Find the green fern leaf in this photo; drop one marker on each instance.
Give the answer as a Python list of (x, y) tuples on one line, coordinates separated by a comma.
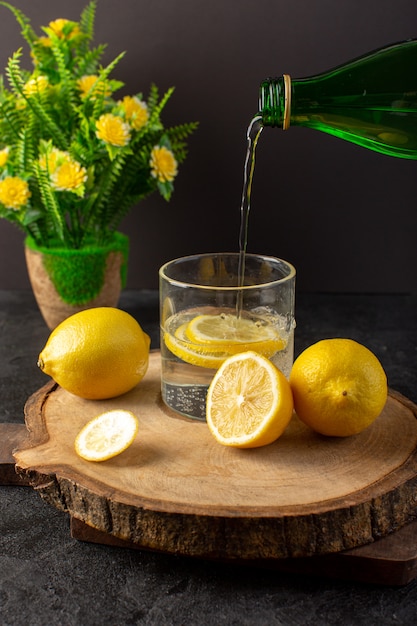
[(26, 152), (27, 32), (181, 132), (97, 215), (49, 201), (14, 74), (67, 97), (87, 20), (157, 109), (88, 63), (11, 122), (17, 82)]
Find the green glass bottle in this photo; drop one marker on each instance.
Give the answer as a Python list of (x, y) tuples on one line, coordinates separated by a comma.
[(370, 101)]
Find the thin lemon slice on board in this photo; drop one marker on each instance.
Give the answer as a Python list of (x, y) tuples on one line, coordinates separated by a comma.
[(234, 334), (106, 435), (195, 354), (249, 402)]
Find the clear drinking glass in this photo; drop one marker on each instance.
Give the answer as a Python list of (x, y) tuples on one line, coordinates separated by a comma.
[(206, 316)]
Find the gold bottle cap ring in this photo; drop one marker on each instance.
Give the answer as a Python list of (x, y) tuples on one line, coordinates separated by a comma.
[(287, 102)]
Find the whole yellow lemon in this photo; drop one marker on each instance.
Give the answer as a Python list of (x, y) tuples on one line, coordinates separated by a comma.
[(339, 387), (97, 353)]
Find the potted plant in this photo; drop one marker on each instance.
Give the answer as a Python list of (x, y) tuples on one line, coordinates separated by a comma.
[(74, 160)]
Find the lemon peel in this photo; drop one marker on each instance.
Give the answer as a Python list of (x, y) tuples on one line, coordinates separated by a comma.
[(339, 387), (96, 354)]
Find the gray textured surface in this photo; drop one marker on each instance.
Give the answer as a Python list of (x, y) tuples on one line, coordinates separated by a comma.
[(48, 579)]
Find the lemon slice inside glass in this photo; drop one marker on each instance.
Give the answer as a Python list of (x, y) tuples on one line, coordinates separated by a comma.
[(249, 402), (106, 435), (202, 355), (234, 334)]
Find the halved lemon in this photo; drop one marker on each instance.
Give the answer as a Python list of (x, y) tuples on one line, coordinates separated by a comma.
[(106, 435), (249, 402)]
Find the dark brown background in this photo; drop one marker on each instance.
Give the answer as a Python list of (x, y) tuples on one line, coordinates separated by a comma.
[(346, 217)]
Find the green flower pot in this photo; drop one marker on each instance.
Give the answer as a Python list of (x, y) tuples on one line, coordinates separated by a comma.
[(65, 281)]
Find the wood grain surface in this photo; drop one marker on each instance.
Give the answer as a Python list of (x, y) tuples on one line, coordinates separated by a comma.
[(177, 490)]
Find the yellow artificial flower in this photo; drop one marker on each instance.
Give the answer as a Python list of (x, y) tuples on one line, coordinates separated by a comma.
[(57, 27), (85, 83), (14, 192), (53, 159), (21, 104), (69, 176), (44, 41), (163, 164), (36, 85), (4, 155), (136, 111), (113, 130)]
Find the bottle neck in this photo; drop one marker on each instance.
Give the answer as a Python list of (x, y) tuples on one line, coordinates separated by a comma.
[(275, 101)]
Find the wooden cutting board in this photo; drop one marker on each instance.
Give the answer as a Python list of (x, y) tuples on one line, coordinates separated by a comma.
[(178, 491)]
